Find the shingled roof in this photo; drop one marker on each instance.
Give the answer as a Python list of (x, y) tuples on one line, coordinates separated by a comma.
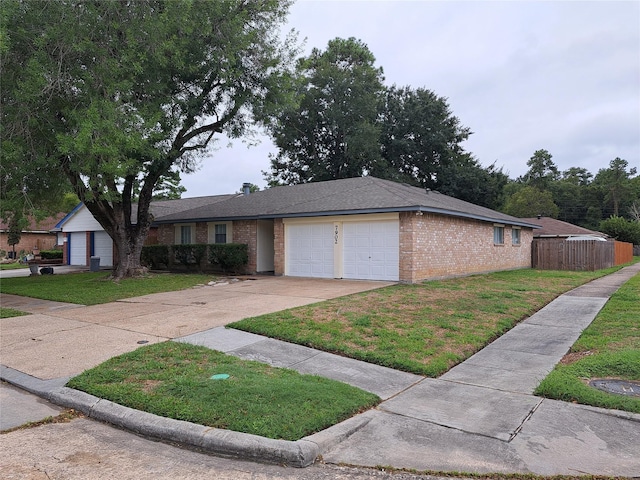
[(337, 197), (551, 227), (161, 208)]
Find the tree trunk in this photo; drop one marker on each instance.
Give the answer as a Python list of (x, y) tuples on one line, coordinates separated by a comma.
[(128, 238), (128, 249)]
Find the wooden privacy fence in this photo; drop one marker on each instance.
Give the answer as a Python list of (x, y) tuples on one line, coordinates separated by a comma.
[(586, 255), (623, 252)]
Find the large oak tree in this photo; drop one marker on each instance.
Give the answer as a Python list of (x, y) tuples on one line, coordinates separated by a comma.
[(118, 95)]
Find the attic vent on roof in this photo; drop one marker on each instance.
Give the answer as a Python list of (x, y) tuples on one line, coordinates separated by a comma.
[(246, 188)]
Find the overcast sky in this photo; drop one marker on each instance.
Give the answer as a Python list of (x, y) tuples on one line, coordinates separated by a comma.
[(523, 76)]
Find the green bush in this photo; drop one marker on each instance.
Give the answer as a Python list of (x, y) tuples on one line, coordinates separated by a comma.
[(621, 229), (230, 256), (51, 254), (155, 256), (192, 254)]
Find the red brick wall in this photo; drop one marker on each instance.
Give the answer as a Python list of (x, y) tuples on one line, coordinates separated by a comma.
[(202, 232), (278, 246), (435, 246), (246, 231), (29, 241), (166, 234)]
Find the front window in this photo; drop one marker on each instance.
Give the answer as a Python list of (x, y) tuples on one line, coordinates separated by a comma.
[(220, 233), (515, 236), (185, 234), (498, 235)]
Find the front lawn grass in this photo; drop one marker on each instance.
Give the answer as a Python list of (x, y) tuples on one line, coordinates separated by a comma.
[(608, 348), (95, 288), (174, 380), (425, 328)]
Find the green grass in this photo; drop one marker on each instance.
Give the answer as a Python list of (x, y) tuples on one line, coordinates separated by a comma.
[(96, 288), (426, 328), (174, 380), (12, 266), (608, 348), (10, 312)]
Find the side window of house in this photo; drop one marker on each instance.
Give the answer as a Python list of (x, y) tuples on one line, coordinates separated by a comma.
[(220, 231), (498, 235), (185, 234), (515, 236)]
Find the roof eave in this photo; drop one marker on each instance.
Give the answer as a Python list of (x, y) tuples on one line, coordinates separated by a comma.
[(416, 208), (67, 217)]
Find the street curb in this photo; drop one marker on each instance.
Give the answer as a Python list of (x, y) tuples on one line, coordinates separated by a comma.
[(300, 453)]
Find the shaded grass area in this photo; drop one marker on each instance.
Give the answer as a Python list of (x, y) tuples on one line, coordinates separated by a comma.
[(608, 348), (10, 312), (425, 328), (95, 288), (174, 380)]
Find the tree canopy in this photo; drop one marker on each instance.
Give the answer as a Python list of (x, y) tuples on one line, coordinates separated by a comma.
[(345, 123), (332, 130), (118, 96)]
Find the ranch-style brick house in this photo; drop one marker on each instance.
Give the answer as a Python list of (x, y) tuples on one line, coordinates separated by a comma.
[(361, 228), (357, 228)]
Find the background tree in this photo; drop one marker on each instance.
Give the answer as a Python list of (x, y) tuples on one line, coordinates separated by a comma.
[(616, 186), (117, 94), (467, 180), (569, 194), (621, 229), (420, 139), (530, 202), (542, 170), (14, 232), (332, 132)]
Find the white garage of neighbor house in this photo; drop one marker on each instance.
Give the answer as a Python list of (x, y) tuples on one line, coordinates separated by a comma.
[(82, 237)]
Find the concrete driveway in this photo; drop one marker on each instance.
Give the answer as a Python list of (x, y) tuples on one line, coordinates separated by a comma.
[(63, 340)]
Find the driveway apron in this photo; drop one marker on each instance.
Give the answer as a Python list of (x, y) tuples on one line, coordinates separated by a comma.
[(62, 340)]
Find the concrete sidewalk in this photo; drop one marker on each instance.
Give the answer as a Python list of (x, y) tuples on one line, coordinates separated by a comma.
[(479, 417)]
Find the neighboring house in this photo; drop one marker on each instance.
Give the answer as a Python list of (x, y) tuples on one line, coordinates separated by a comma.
[(552, 228), (559, 245), (357, 228), (82, 236), (36, 236)]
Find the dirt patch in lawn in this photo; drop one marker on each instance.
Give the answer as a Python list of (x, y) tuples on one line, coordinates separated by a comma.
[(573, 357)]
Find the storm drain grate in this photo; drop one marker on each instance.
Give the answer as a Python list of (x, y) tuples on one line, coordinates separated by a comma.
[(619, 387)]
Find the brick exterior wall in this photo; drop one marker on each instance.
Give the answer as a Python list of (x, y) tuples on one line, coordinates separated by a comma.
[(431, 246), (246, 231), (202, 232), (437, 246), (278, 246), (166, 234), (29, 241)]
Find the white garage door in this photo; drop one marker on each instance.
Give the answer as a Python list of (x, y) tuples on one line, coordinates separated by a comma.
[(310, 250), (372, 250), (103, 248), (78, 248)]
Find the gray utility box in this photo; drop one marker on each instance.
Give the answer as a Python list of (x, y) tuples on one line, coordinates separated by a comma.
[(95, 264)]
